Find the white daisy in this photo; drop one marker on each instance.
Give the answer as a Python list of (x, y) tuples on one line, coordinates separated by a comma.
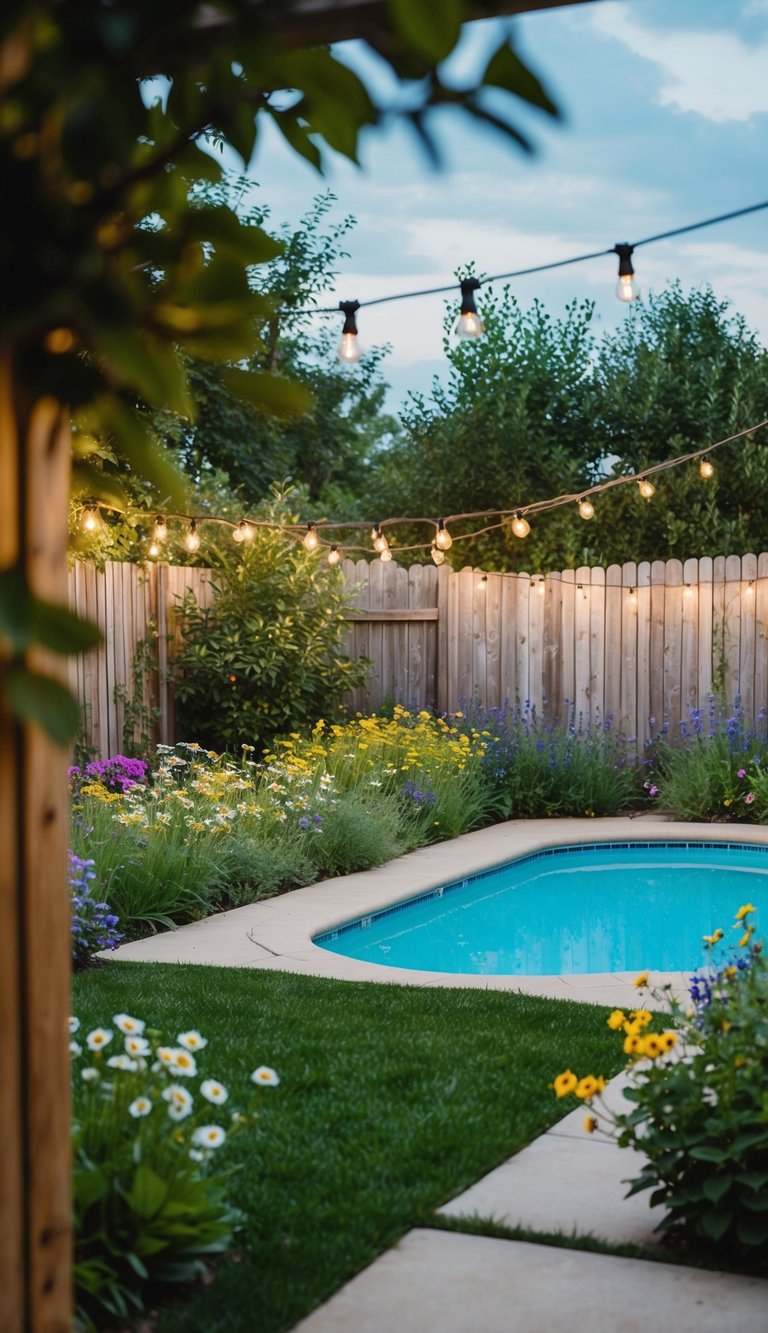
[(209, 1136), (139, 1107), (192, 1041), (177, 1096), (123, 1062), (213, 1092), (265, 1077), (89, 1075), (196, 1155), (136, 1045), (132, 1027), (183, 1063), (165, 1055), (98, 1038), (74, 1049), (74, 1023)]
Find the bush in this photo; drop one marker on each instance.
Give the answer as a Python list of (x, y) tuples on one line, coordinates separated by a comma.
[(267, 657), (714, 772), (701, 1121), (150, 1199)]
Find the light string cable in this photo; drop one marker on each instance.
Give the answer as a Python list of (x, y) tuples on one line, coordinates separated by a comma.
[(538, 268), (313, 534)]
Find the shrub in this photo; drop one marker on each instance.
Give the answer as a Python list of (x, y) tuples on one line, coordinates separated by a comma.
[(716, 770), (93, 923), (267, 657), (150, 1198), (700, 1121)]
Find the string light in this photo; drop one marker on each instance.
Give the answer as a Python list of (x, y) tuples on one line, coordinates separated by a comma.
[(438, 556), (154, 550), (469, 323), (334, 556), (160, 533), (311, 539), (192, 539), (443, 539), (688, 590), (706, 468), (626, 288), (483, 583), (520, 526), (541, 587), (647, 488), (586, 509), (632, 597), (748, 591), (380, 542), (90, 518), (386, 554), (349, 344), (238, 532)]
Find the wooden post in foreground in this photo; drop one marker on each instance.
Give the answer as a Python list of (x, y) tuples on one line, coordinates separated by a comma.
[(35, 1207)]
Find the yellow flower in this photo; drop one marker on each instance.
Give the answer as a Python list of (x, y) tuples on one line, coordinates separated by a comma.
[(713, 938), (745, 911), (641, 980), (616, 1019), (565, 1083), (745, 938), (587, 1087), (726, 1025), (641, 1017), (590, 1124), (632, 1044), (633, 1028), (667, 1040), (727, 802), (651, 1046)]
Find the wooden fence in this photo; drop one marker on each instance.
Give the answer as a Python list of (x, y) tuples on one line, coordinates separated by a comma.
[(631, 642)]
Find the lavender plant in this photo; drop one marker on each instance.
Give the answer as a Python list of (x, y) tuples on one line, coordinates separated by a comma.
[(93, 923)]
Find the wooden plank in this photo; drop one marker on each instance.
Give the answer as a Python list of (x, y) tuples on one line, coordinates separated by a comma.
[(656, 648), (748, 636), (568, 587), (536, 642), (644, 714), (597, 646), (674, 596), (522, 643), (445, 632), (581, 695), (705, 628), (430, 584), (761, 637), (689, 642), (479, 656), (507, 633), (719, 631), (399, 633), (377, 686), (465, 679), (628, 690), (406, 615), (612, 647), (493, 598), (549, 592), (732, 627)]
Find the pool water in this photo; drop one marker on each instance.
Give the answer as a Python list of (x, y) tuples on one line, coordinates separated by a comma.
[(599, 907)]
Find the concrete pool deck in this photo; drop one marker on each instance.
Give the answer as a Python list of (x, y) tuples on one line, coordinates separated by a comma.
[(277, 933)]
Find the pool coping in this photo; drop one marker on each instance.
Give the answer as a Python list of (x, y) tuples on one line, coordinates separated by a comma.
[(276, 934)]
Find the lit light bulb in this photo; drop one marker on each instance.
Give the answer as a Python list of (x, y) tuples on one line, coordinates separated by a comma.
[(90, 518), (626, 287), (706, 469), (586, 509), (311, 539), (443, 539), (238, 532), (349, 343), (192, 539), (334, 556), (438, 556), (483, 583), (161, 529), (748, 591), (520, 526), (688, 590), (380, 542), (541, 587), (154, 550), (469, 323), (632, 597), (386, 554), (647, 488)]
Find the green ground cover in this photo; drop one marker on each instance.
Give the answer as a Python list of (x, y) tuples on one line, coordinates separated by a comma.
[(392, 1099)]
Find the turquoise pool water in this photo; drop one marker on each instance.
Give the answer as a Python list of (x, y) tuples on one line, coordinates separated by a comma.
[(591, 907)]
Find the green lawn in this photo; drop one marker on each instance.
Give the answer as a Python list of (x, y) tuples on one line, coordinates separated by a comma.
[(392, 1099)]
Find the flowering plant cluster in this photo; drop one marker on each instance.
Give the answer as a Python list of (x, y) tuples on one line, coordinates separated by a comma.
[(717, 770), (700, 1119), (93, 924), (119, 773), (149, 1193)]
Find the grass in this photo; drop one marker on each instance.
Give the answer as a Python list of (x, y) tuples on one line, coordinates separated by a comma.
[(392, 1100)]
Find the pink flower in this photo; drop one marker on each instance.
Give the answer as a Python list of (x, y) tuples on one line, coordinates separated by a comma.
[(653, 791), (742, 773), (749, 798)]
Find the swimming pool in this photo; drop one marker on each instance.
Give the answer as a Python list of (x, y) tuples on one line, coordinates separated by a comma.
[(568, 910)]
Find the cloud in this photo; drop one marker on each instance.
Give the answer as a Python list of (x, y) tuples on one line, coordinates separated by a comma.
[(717, 75)]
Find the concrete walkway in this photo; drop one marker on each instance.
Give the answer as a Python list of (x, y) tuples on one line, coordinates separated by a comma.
[(565, 1181)]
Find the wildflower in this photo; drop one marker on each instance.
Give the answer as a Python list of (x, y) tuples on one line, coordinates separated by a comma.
[(727, 802), (183, 1063), (714, 937), (90, 1075), (744, 941), (265, 1077), (744, 911), (652, 1047), (136, 1045), (587, 1087), (565, 1083), (742, 773), (177, 1095), (131, 1027), (590, 1124), (98, 1038), (192, 1040), (616, 1019), (122, 1062), (73, 1023), (75, 1049), (140, 1106), (641, 980), (653, 791), (632, 1044), (641, 1017), (165, 1056), (749, 798), (213, 1092), (209, 1136), (195, 1155)]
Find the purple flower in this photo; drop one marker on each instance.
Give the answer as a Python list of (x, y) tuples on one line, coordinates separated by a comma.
[(749, 798), (742, 773), (653, 791), (303, 822), (93, 924)]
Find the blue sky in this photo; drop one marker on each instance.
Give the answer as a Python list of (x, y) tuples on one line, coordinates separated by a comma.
[(666, 120)]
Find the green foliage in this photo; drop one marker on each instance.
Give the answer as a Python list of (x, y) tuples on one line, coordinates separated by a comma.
[(266, 657), (714, 773), (150, 1198), (401, 1096), (139, 717)]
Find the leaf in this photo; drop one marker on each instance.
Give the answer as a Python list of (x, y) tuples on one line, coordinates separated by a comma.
[(14, 609), (146, 363), (223, 228), (716, 1187), (140, 450), (59, 629), (269, 393), (716, 1224), (148, 1192), (35, 698), (97, 485), (705, 1153), (752, 1232), (432, 29), (756, 1180), (750, 1139), (506, 70)]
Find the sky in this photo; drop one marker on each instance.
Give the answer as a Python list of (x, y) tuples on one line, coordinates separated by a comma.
[(665, 123)]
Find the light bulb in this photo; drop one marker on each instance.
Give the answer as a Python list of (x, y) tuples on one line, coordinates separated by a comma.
[(438, 556), (647, 488), (161, 529), (238, 532), (333, 556), (688, 591), (748, 591), (192, 539), (541, 588), (311, 539), (626, 288), (520, 526), (469, 323), (483, 583), (586, 509), (90, 518), (377, 537), (443, 539), (706, 469), (386, 554), (632, 597), (154, 550), (349, 343)]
